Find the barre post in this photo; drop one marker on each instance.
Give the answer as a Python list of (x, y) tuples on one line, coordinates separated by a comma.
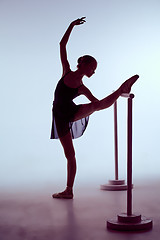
[(129, 158), (129, 221), (117, 184), (116, 140)]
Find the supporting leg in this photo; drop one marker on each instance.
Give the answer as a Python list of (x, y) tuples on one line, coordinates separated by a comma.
[(69, 152)]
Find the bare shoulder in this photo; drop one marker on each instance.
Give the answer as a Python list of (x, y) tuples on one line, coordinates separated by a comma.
[(66, 71), (68, 77)]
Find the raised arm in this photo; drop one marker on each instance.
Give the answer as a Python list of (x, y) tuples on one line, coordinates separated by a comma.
[(63, 43)]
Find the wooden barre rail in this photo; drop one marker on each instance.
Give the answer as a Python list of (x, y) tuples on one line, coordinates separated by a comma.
[(127, 95)]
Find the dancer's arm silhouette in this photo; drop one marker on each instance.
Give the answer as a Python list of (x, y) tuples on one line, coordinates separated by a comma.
[(86, 92), (66, 112), (63, 43), (64, 60)]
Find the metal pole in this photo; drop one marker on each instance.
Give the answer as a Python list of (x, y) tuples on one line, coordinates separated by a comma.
[(116, 140), (129, 158)]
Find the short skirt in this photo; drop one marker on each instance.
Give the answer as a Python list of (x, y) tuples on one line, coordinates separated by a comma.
[(62, 124)]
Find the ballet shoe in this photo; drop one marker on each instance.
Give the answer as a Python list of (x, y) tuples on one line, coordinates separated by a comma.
[(132, 80), (63, 195), (126, 86)]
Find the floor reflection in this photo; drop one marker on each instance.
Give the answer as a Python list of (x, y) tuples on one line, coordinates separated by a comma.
[(37, 216)]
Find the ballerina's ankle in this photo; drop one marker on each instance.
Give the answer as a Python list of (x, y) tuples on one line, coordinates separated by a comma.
[(69, 189)]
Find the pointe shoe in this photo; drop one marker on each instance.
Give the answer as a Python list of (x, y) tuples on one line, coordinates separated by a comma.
[(63, 195), (132, 80), (126, 86)]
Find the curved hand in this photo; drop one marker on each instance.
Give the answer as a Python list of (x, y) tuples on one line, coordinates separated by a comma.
[(78, 21), (63, 42)]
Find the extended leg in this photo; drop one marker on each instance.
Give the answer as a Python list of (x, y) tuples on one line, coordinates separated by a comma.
[(87, 109)]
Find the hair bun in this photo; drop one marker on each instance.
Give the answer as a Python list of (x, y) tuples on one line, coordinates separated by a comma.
[(80, 60), (86, 59)]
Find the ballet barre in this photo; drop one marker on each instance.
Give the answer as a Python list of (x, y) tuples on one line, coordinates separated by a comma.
[(129, 221), (127, 95), (117, 184)]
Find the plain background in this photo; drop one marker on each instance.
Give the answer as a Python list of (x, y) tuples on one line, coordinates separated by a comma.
[(124, 37)]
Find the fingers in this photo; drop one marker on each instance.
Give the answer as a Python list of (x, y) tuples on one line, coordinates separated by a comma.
[(81, 20)]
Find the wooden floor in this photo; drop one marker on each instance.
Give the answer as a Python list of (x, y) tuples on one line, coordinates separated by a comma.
[(34, 215)]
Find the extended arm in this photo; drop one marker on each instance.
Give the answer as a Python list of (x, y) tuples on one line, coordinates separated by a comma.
[(86, 92), (63, 43), (109, 100)]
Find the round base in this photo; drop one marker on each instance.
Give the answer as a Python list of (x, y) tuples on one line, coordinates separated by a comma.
[(124, 218), (115, 185), (129, 223)]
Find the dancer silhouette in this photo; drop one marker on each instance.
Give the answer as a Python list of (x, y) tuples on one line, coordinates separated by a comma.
[(69, 120)]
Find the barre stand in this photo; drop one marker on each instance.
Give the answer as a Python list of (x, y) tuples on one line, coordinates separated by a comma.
[(116, 184), (129, 221)]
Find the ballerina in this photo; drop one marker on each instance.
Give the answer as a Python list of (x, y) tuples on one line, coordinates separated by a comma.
[(69, 120)]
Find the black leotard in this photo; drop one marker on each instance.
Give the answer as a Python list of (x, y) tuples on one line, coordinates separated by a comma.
[(63, 112)]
